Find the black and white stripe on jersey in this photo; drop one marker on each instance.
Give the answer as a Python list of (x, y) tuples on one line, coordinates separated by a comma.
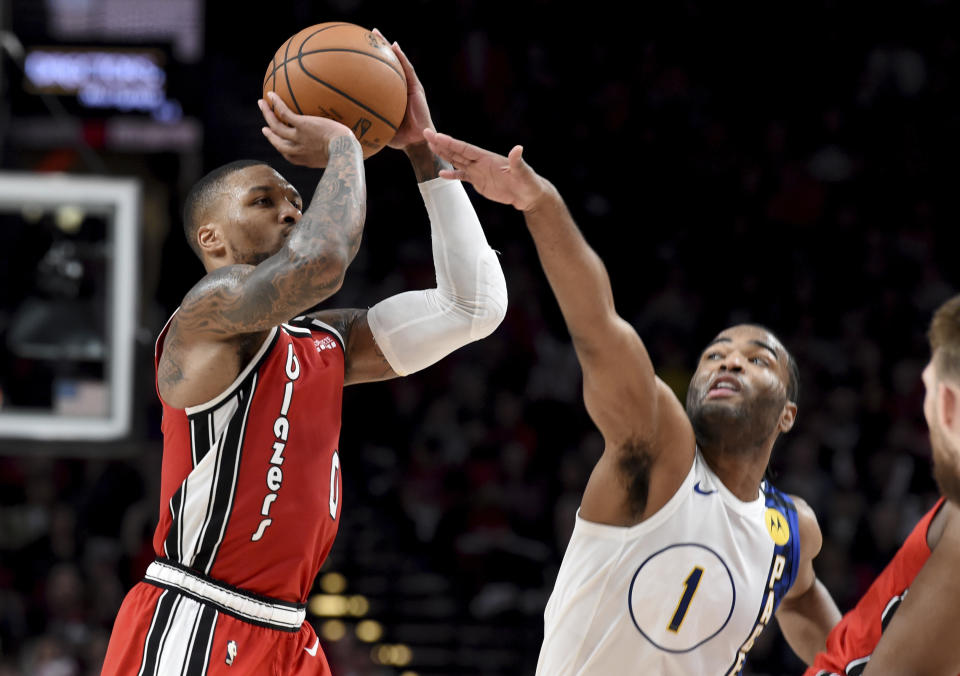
[(224, 484), (157, 634), (210, 487), (201, 436), (197, 657), (298, 324), (217, 431), (180, 637), (204, 418), (173, 545)]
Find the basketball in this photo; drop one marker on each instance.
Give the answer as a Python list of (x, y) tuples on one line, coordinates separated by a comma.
[(344, 72)]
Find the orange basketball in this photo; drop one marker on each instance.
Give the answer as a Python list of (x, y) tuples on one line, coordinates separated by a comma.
[(344, 72)]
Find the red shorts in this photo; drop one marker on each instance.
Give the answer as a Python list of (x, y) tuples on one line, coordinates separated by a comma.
[(171, 630)]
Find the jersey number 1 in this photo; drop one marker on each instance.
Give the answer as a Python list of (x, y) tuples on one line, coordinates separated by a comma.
[(689, 589)]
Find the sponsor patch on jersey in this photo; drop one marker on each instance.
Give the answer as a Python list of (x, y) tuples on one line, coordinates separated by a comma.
[(777, 526), (327, 343)]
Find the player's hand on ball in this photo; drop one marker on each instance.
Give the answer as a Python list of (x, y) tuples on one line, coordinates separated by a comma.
[(508, 180), (302, 139), (417, 115)]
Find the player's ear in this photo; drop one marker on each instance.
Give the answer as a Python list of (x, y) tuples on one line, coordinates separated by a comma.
[(788, 416), (948, 403), (211, 241)]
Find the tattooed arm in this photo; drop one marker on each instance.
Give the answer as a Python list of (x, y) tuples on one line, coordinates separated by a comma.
[(224, 318)]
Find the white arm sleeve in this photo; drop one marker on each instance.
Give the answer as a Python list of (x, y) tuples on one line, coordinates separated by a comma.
[(418, 328)]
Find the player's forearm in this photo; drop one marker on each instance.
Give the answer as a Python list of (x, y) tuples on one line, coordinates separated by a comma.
[(426, 165), (574, 270), (331, 227), (807, 620)]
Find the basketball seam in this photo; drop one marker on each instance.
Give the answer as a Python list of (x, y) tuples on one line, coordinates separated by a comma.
[(273, 73), (351, 99), (290, 39), (286, 74), (341, 93), (354, 51)]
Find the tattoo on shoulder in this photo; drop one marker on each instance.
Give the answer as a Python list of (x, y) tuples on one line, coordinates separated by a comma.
[(169, 372)]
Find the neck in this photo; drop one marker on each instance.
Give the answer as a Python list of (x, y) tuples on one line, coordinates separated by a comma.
[(741, 470)]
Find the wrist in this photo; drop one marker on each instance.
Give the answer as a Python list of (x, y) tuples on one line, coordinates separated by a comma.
[(344, 139), (426, 165), (547, 195)]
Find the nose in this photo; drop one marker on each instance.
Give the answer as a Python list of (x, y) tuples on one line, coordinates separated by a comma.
[(289, 214), (732, 362)]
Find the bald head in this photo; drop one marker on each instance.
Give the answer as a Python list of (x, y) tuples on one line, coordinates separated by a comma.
[(202, 197)]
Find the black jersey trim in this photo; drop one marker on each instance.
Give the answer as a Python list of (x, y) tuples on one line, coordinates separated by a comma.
[(312, 324), (224, 484)]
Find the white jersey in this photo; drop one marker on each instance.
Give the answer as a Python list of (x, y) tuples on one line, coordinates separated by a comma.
[(685, 592)]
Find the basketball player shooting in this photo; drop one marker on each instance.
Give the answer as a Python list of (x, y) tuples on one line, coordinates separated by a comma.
[(906, 623), (251, 382), (681, 553)]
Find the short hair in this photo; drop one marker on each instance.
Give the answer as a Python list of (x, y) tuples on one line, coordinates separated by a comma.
[(793, 385), (201, 196), (944, 337)]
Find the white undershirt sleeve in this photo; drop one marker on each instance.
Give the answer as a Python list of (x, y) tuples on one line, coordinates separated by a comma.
[(418, 328)]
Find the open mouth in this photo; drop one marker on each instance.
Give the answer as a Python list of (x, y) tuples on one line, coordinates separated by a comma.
[(724, 386)]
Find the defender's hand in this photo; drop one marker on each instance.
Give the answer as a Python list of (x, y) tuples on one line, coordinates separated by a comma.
[(302, 139), (508, 180)]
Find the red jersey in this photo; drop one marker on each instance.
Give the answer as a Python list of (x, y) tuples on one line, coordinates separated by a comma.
[(250, 486), (851, 642)]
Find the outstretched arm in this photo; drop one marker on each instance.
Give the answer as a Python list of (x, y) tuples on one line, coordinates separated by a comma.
[(630, 405), (808, 612)]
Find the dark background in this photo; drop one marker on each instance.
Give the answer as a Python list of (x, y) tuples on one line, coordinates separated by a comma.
[(794, 169)]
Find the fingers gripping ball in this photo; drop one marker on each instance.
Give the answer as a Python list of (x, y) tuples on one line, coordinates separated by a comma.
[(344, 72)]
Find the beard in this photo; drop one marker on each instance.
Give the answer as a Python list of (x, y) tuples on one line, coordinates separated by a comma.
[(733, 428), (946, 465), (249, 256)]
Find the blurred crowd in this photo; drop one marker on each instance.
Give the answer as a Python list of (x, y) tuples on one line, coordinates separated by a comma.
[(800, 179)]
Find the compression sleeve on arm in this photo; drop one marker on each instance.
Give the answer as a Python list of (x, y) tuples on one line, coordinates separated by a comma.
[(418, 328)]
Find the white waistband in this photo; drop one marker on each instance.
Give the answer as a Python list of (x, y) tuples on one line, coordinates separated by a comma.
[(279, 615)]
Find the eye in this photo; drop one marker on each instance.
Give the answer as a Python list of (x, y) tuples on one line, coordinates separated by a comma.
[(263, 201), (760, 361), (713, 356)]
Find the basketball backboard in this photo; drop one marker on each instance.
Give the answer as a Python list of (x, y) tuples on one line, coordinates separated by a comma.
[(68, 293)]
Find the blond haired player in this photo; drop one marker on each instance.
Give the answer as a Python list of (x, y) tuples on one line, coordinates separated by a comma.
[(908, 622)]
